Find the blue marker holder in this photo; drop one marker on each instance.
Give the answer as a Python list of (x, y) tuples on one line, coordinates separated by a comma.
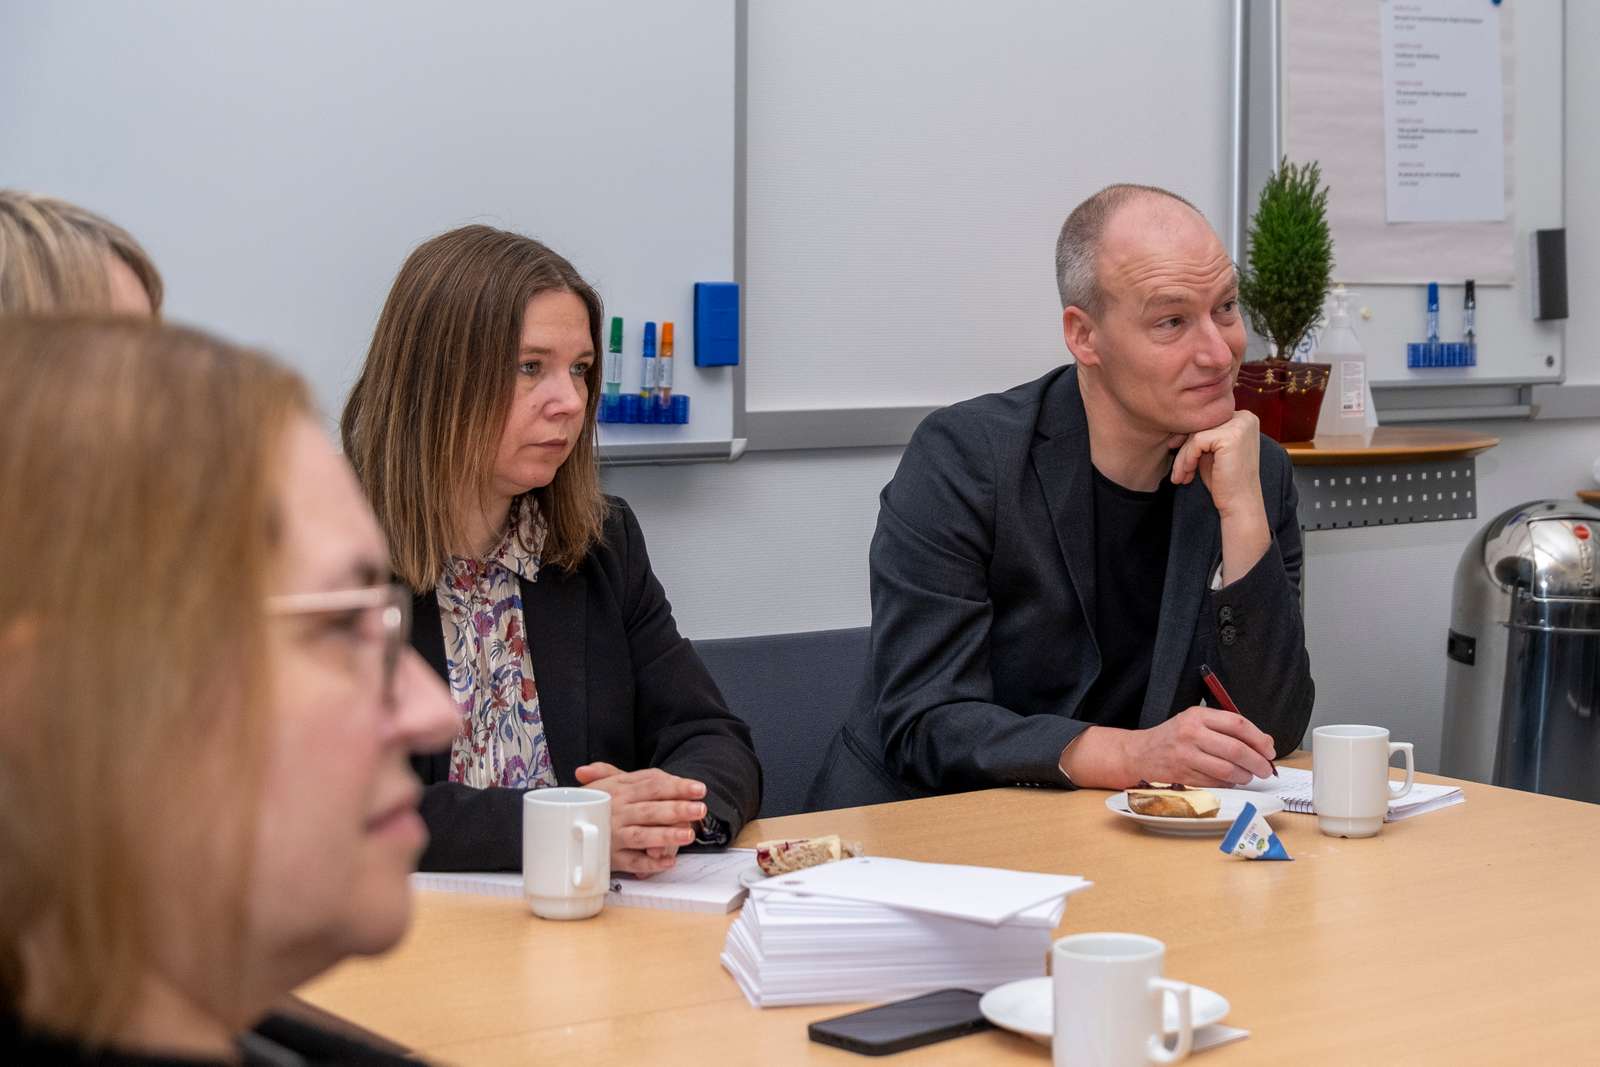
[(640, 411), (1429, 355)]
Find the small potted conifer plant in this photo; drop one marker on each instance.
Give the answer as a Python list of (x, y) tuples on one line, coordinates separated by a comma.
[(1282, 287)]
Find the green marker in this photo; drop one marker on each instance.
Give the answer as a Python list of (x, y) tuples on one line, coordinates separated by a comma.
[(614, 359)]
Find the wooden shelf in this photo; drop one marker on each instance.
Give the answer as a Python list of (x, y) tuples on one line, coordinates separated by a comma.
[(1401, 474), (1389, 444)]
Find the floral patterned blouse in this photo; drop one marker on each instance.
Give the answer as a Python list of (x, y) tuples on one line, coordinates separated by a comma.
[(490, 666)]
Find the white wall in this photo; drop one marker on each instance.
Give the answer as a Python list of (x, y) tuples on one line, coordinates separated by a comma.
[(773, 543), (777, 542), (1583, 193)]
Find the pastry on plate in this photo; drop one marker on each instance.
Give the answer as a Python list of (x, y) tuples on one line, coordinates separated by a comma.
[(796, 854), (1173, 801)]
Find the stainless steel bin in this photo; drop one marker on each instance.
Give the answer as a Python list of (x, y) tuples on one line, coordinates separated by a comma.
[(1522, 677)]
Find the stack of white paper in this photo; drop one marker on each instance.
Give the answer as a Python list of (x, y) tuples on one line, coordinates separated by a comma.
[(877, 929)]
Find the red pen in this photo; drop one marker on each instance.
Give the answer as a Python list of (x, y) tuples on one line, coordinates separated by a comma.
[(1214, 684)]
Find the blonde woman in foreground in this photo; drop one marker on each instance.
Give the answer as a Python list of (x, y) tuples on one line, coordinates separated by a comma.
[(57, 257), (206, 704)]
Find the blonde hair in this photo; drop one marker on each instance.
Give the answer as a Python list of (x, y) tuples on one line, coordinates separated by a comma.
[(53, 256), (424, 419), (141, 461)]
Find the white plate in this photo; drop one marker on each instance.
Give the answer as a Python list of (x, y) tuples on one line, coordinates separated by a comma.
[(751, 875), (1028, 1007), (1232, 801)]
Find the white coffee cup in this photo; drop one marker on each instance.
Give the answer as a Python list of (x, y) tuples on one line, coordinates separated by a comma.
[(1108, 992), (566, 851), (1350, 787)]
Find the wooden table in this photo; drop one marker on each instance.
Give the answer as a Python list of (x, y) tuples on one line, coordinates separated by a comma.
[(1466, 936)]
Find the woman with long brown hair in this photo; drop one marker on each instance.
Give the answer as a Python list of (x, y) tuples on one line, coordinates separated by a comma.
[(206, 703), (472, 427)]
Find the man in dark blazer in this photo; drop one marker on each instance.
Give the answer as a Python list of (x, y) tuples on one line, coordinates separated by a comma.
[(1053, 564)]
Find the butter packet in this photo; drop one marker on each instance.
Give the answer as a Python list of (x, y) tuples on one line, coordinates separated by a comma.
[(1252, 837)]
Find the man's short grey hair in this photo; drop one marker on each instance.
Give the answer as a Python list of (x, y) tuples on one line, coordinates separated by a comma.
[(1078, 247)]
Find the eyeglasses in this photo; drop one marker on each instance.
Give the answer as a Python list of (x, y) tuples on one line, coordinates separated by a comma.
[(392, 603)]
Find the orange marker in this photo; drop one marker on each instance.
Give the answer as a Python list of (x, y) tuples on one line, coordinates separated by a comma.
[(664, 366)]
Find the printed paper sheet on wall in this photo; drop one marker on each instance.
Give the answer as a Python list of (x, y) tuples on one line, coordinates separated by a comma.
[(1400, 133)]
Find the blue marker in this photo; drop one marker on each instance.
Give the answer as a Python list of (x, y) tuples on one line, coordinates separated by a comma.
[(647, 383), (1433, 313)]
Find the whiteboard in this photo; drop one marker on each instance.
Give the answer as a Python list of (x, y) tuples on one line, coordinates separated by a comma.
[(910, 164), (280, 160), (1511, 344)]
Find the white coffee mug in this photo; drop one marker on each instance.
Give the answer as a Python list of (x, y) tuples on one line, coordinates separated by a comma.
[(566, 851), (1108, 992), (1350, 788)]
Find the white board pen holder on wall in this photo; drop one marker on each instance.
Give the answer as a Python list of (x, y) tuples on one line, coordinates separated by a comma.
[(716, 344), (654, 404), (645, 410), (1426, 355)]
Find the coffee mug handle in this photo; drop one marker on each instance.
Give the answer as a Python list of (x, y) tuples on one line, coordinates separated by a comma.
[(587, 873), (1157, 1049), (1411, 770)]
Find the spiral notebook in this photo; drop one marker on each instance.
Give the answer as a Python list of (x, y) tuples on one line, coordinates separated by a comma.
[(1293, 787)]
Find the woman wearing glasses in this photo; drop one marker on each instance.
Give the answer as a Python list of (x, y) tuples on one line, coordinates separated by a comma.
[(472, 429), (206, 703)]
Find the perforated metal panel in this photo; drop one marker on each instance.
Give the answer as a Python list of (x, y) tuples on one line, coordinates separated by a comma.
[(1337, 498)]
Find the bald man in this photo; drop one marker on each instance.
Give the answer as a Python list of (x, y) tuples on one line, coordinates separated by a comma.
[(1053, 564)]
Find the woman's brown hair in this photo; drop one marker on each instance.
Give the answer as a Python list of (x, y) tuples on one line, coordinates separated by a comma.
[(424, 420), (139, 463), (53, 257)]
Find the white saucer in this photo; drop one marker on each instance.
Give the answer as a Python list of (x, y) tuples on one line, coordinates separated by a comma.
[(1232, 801), (1028, 1008), (750, 876)]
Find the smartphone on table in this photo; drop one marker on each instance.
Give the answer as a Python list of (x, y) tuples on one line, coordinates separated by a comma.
[(904, 1024)]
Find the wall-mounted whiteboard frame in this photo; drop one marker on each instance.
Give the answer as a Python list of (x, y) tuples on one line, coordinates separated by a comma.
[(1252, 147), (892, 119), (1515, 353), (279, 161)]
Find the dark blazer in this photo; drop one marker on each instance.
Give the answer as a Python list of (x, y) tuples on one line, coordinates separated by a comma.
[(983, 597), (276, 1039), (616, 683)]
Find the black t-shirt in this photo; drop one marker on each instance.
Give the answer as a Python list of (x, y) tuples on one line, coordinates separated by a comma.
[(1132, 532)]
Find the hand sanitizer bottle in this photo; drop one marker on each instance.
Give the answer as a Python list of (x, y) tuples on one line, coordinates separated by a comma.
[(1347, 406)]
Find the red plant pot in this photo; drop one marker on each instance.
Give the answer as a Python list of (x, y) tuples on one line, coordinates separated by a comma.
[(1286, 397)]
